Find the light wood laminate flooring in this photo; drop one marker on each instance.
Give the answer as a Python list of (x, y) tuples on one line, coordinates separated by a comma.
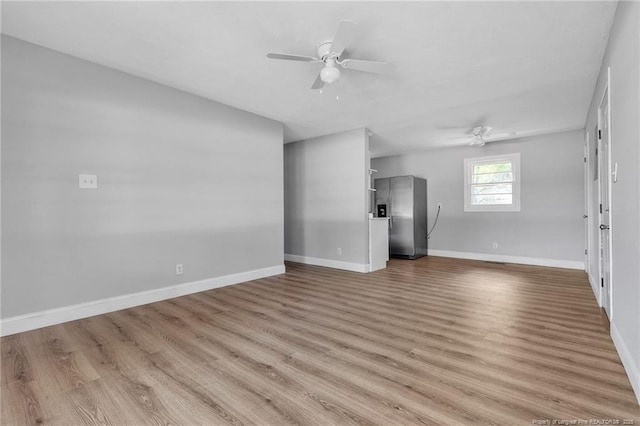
[(431, 341)]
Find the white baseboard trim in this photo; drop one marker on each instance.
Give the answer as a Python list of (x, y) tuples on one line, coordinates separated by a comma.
[(20, 323), (556, 263), (627, 360), (329, 263)]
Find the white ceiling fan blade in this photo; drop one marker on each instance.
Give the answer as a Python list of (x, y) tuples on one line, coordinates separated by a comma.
[(288, 57), (459, 138), (318, 84), (501, 135), (454, 129), (344, 36), (366, 66)]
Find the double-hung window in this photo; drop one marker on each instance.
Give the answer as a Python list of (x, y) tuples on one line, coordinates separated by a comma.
[(492, 184)]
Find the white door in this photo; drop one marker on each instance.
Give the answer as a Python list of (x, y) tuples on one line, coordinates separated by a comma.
[(585, 216), (605, 216)]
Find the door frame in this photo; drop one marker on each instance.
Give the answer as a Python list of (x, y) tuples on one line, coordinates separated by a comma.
[(604, 171)]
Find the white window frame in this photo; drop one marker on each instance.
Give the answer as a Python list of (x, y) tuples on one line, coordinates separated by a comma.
[(468, 173)]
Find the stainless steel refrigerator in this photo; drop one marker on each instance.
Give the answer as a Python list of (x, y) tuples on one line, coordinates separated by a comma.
[(403, 199)]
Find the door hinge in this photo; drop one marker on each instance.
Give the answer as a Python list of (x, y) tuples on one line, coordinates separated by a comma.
[(596, 151), (602, 282), (585, 159), (585, 251), (600, 208), (599, 134)]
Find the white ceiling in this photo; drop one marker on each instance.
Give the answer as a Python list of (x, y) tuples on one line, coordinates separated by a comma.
[(526, 67)]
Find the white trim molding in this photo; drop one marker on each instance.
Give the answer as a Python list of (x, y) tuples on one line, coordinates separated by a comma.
[(329, 263), (627, 360), (32, 321), (555, 263), (469, 167)]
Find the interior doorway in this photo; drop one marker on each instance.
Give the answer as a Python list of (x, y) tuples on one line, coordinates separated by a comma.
[(587, 204), (604, 180)]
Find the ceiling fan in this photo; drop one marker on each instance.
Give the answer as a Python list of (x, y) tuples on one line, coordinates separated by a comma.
[(330, 54), (480, 134)]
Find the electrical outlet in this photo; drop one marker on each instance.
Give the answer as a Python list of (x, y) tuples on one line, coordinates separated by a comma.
[(339, 251), (179, 269), (495, 245), (88, 181), (439, 205)]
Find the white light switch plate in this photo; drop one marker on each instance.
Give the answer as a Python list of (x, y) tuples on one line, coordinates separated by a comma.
[(88, 181)]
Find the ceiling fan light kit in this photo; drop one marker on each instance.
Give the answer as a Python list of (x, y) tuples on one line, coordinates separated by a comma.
[(330, 74), (330, 54)]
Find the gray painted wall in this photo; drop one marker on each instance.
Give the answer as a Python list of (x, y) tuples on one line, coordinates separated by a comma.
[(549, 225), (326, 197), (623, 56), (181, 180)]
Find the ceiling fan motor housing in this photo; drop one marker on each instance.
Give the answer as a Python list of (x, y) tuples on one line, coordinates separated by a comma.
[(324, 50)]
